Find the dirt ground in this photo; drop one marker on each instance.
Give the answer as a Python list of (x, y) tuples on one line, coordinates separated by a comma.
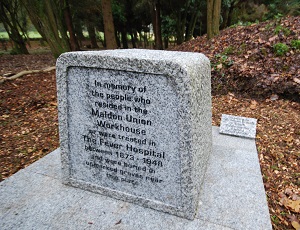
[(28, 114), (29, 130)]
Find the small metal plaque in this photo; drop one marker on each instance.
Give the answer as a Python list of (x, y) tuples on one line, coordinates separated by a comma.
[(238, 126)]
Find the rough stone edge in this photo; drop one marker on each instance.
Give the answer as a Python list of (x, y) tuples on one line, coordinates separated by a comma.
[(202, 86), (178, 72)]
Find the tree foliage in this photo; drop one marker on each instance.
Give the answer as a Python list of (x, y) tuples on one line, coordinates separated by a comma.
[(282, 7), (47, 17), (132, 23), (213, 17)]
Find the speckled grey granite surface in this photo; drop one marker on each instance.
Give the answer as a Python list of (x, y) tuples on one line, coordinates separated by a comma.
[(135, 125), (232, 197)]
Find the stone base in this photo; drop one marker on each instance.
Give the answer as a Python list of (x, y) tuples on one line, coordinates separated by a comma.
[(232, 197)]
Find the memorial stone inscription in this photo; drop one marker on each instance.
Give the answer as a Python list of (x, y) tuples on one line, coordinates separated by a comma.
[(126, 131), (126, 125)]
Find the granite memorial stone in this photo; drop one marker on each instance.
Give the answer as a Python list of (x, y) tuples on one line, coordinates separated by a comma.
[(238, 126), (136, 125)]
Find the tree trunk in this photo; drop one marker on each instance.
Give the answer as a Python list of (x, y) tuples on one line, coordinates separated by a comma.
[(117, 36), (78, 31), (213, 18), (109, 29), (180, 28), (68, 20), (225, 15), (216, 17), (135, 35), (92, 35), (9, 18), (229, 19), (124, 38), (181, 22), (47, 18), (19, 45), (146, 42), (166, 42), (192, 24), (156, 21), (132, 40), (209, 18)]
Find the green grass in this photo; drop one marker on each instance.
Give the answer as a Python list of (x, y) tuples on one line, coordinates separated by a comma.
[(4, 35), (284, 30), (228, 50), (295, 44), (34, 35), (280, 49), (31, 34)]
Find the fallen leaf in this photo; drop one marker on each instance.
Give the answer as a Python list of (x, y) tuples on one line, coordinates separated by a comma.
[(273, 38), (53, 103), (219, 66), (294, 205), (296, 225), (296, 80), (253, 104), (274, 97), (295, 197), (289, 139), (294, 221), (29, 150), (260, 40), (288, 191)]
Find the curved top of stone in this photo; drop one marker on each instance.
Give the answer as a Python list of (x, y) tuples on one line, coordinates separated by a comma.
[(137, 60)]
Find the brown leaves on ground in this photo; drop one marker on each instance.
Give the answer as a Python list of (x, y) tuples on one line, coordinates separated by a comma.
[(28, 114), (10, 65), (243, 58)]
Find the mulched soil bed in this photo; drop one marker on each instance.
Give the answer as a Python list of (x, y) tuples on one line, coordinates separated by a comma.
[(28, 113)]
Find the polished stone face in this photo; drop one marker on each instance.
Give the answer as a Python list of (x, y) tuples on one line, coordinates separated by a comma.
[(123, 130), (136, 125)]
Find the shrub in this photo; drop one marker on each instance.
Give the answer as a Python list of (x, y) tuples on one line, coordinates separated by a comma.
[(222, 59), (280, 49), (228, 50), (284, 30), (295, 44)]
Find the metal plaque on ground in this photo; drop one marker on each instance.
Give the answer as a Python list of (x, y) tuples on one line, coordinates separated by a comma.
[(238, 126)]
